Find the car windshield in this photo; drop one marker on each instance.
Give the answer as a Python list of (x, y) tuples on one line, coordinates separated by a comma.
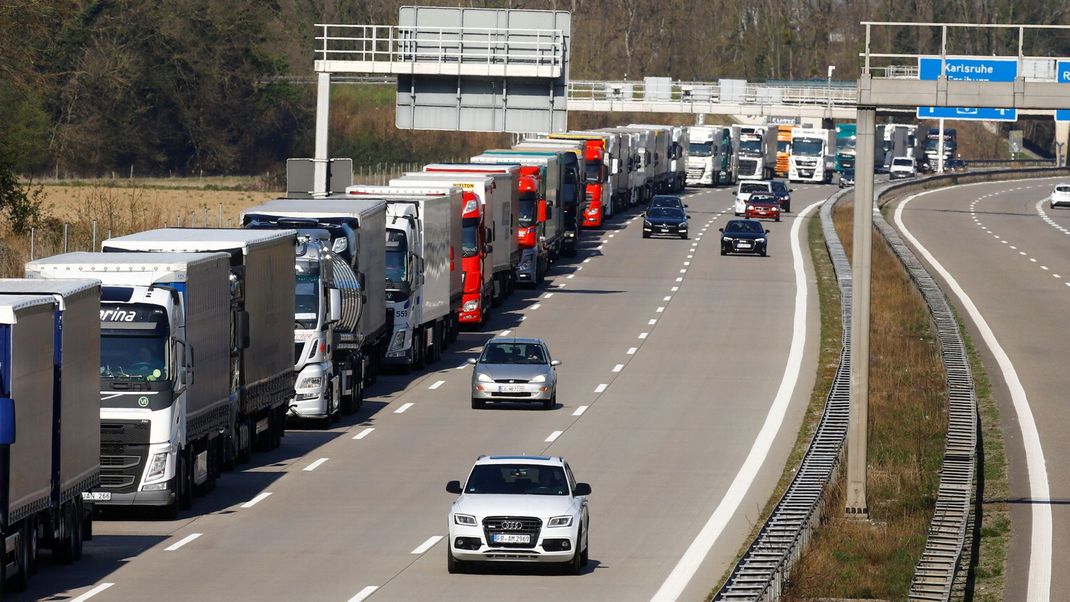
[(470, 237), (133, 357), (753, 187), (665, 212), (743, 227), (517, 479), (700, 149), (666, 201), (306, 300), (806, 147), (902, 163), (397, 252), (513, 353)]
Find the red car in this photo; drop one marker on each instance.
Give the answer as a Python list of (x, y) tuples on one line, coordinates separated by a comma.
[(761, 206)]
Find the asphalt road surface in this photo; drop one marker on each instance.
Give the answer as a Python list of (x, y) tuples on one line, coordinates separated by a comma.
[(1004, 259), (673, 357)]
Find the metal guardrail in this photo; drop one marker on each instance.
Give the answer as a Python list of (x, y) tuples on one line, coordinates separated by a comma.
[(423, 44), (800, 93), (763, 571)]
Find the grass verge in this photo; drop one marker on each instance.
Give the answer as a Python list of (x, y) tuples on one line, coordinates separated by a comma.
[(907, 413), (828, 291)]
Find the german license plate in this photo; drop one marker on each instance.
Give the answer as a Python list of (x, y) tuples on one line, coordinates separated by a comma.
[(510, 538), (664, 229), (511, 389), (96, 496), (744, 245)]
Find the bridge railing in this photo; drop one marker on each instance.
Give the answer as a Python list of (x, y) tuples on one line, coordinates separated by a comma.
[(737, 92), (496, 46)]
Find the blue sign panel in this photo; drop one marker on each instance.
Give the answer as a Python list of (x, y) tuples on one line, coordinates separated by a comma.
[(965, 113), (1063, 75), (1062, 115), (977, 70)]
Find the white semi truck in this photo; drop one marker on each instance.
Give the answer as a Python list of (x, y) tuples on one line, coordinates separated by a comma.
[(813, 155), (709, 155), (755, 151), (49, 435), (673, 153), (262, 306), (165, 423), (340, 327)]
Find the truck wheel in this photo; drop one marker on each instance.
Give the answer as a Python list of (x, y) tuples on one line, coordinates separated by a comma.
[(419, 349), (244, 441), (21, 581), (63, 548), (184, 480), (34, 546)]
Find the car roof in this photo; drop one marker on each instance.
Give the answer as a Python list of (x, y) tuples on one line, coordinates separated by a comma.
[(754, 221), (742, 182), (526, 340), (510, 459)]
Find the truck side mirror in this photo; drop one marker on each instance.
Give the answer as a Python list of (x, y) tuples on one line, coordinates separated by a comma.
[(540, 211), (335, 302), (7, 421), (549, 213), (243, 331), (488, 249)]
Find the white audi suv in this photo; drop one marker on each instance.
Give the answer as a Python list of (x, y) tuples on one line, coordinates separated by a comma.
[(519, 509)]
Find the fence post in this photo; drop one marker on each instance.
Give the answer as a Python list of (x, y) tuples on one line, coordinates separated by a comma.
[(33, 236), (64, 238), (221, 215), (94, 247), (206, 217)]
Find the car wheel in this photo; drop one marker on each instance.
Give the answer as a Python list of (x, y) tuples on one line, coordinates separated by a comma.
[(645, 235), (575, 566), (778, 218), (764, 253), (585, 556), (684, 236), (453, 566), (478, 404), (548, 404)]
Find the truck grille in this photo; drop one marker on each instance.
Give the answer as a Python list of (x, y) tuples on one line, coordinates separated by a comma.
[(519, 525), (124, 448), (748, 166)]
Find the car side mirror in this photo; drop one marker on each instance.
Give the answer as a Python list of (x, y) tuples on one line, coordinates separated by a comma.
[(555, 362), (720, 229), (453, 487), (686, 205), (581, 489), (472, 361), (7, 421)]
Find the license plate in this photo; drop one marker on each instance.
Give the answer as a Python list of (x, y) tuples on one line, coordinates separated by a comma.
[(510, 538), (664, 229), (511, 389), (96, 496), (744, 245)]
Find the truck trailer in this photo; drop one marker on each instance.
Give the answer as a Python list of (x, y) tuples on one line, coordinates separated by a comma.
[(55, 322), (340, 327)]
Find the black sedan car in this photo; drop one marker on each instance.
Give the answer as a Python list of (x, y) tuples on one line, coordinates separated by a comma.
[(665, 221), (847, 178), (783, 194), (744, 236), (666, 200)]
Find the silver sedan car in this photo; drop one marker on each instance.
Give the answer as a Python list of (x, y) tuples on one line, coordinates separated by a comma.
[(517, 370)]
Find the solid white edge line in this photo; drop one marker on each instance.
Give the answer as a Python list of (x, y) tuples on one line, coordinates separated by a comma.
[(436, 384), (256, 500), (314, 465), (364, 433), (185, 540), (89, 594), (403, 407), (364, 593), (689, 563), (553, 436), (1038, 586), (579, 411), (427, 545)]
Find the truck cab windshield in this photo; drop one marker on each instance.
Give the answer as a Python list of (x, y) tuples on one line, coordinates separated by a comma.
[(133, 357), (470, 237), (593, 172), (809, 147), (397, 255), (700, 149), (307, 300), (526, 215), (750, 146)]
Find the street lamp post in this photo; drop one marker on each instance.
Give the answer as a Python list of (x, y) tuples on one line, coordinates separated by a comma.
[(828, 92)]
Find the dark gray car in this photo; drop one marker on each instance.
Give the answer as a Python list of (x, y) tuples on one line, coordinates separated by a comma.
[(516, 370)]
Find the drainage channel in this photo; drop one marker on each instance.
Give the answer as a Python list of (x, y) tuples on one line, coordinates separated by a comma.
[(762, 572)]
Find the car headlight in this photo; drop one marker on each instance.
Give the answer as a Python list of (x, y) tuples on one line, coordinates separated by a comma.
[(560, 521), (483, 378), (727, 239), (471, 305), (310, 382), (750, 207), (539, 379), (647, 224), (464, 519), (157, 467), (759, 240)]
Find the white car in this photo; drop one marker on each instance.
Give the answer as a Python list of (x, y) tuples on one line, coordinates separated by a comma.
[(748, 187), (519, 509), (1060, 196), (902, 167)]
